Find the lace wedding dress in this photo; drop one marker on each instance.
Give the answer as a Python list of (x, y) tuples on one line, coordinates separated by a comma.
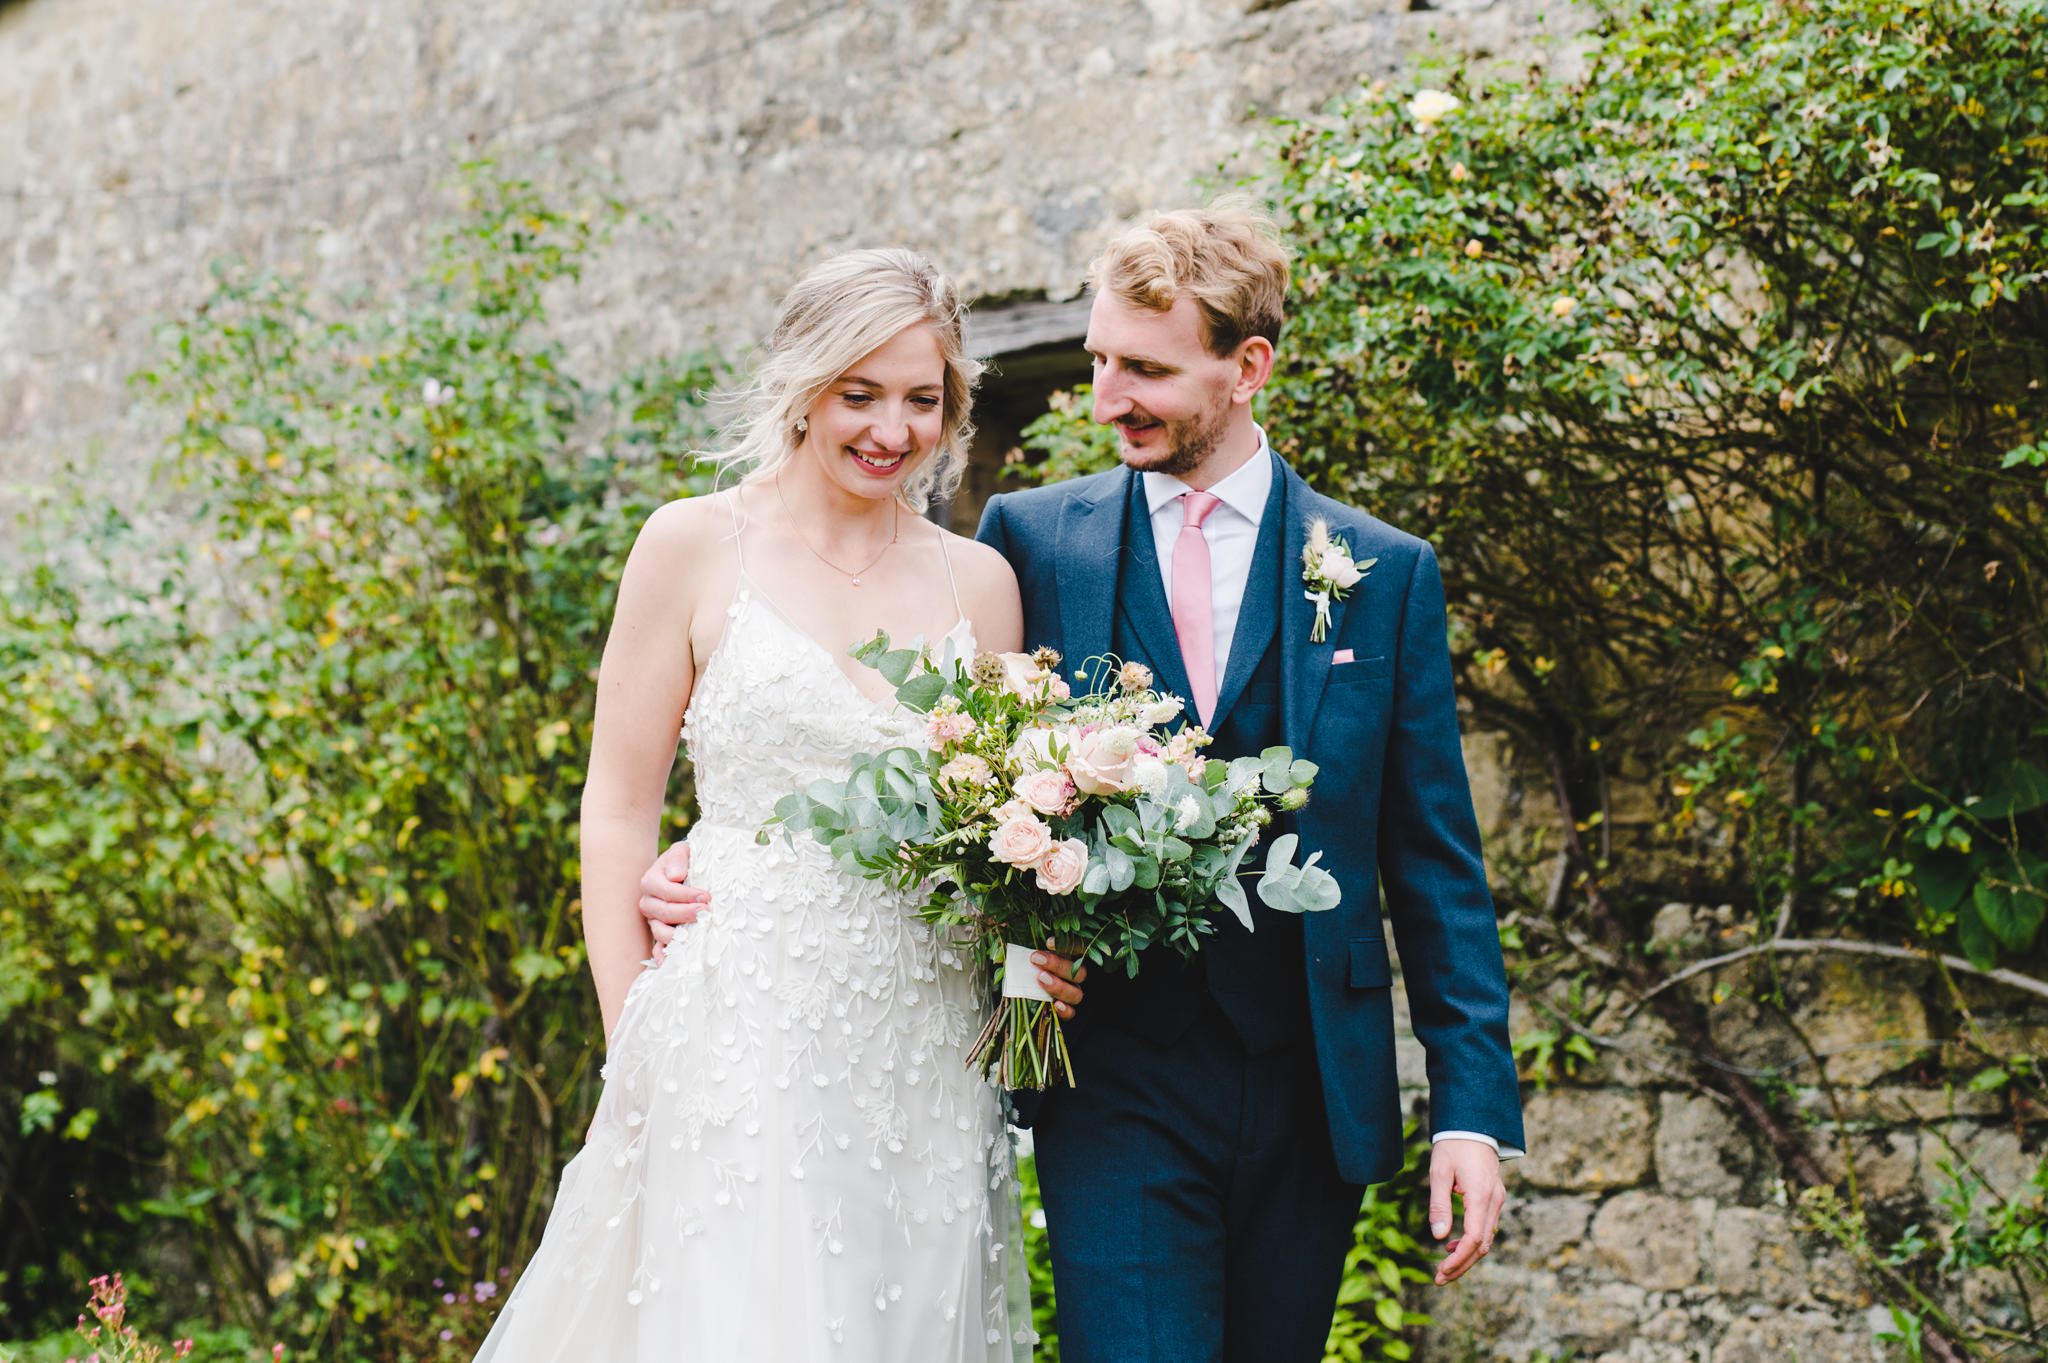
[(791, 1159)]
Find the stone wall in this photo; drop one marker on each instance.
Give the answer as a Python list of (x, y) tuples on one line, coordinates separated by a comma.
[(140, 142), (1649, 1224)]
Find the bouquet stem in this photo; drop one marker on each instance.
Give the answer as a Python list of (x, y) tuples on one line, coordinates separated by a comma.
[(1023, 1046)]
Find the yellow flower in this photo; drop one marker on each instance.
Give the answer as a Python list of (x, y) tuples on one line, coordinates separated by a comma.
[(1563, 306), (1459, 175), (1475, 248)]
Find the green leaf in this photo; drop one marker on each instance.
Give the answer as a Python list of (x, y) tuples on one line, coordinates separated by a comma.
[(1274, 770), (2011, 912), (530, 965), (2016, 788), (1230, 893), (1942, 879), (1974, 938), (1388, 1311), (895, 666)]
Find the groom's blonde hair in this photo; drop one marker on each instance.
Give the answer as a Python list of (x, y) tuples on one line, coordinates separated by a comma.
[(1227, 257)]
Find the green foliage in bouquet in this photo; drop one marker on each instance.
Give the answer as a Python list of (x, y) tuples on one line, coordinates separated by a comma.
[(1128, 841), (290, 971)]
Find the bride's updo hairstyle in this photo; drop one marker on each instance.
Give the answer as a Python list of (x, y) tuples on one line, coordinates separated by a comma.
[(844, 309)]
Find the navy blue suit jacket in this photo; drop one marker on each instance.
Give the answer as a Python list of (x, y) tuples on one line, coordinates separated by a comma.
[(1391, 807)]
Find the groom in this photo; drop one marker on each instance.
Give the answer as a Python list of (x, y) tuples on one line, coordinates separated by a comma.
[(1201, 1183)]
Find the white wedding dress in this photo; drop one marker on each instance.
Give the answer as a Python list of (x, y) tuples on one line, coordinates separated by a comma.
[(791, 1159)]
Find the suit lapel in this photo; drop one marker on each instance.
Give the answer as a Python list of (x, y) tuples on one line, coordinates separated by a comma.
[(1142, 594), (1255, 609), (1304, 666), (1090, 526)]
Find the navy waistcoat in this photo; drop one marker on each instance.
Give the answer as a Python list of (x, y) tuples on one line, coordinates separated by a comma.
[(1255, 978)]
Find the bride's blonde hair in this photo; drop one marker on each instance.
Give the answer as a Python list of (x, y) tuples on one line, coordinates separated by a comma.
[(844, 309)]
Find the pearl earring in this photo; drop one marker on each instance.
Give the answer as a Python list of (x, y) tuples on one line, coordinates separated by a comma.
[(802, 424)]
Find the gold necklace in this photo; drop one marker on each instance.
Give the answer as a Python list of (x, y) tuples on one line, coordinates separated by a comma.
[(895, 530)]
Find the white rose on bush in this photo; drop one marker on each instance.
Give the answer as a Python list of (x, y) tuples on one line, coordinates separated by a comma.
[(1430, 107)]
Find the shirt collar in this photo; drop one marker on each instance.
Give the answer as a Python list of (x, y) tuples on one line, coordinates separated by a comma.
[(1244, 491)]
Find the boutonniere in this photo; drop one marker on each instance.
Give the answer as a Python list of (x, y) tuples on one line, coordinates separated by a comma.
[(1328, 571)]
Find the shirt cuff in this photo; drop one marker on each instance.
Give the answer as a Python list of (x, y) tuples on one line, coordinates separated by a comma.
[(1505, 1152)]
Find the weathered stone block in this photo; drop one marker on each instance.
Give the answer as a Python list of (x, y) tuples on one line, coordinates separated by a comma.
[(1588, 1318), (1757, 1255), (1699, 1149), (1992, 1155), (1897, 1104), (1649, 1239), (1832, 1277), (1864, 1020), (1586, 1139), (1794, 1337), (1886, 1161), (1544, 1232)]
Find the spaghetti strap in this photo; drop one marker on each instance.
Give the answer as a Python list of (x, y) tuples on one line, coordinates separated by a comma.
[(958, 612), (737, 527)]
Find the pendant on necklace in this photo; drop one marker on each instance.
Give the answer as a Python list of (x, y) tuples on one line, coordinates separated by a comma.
[(856, 582)]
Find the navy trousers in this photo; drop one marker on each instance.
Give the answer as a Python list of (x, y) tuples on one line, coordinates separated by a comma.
[(1192, 1201)]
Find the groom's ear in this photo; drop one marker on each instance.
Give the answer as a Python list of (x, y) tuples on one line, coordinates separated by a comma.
[(1254, 358)]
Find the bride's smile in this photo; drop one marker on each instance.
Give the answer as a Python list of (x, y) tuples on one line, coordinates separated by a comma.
[(875, 424)]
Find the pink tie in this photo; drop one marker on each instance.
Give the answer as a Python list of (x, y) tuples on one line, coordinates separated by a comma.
[(1193, 621)]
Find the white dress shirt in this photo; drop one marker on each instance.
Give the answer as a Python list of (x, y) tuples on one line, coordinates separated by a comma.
[(1232, 530)]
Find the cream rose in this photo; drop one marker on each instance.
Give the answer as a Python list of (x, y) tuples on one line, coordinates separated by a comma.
[(1336, 565), (1061, 868), (1049, 790), (1021, 842), (1101, 763), (1040, 747)]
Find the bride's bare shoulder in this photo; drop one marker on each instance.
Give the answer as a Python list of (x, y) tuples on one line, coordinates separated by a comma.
[(688, 530)]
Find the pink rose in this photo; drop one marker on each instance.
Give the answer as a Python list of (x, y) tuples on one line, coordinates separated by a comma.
[(1014, 811), (1048, 791), (946, 727), (1061, 869), (1020, 842), (1102, 762), (966, 770)]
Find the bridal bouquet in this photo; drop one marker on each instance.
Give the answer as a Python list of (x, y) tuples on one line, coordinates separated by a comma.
[(1028, 814)]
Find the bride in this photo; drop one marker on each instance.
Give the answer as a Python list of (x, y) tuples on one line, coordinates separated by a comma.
[(791, 1159)]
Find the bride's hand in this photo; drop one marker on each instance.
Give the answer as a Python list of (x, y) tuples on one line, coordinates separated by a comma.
[(1060, 976), (666, 902)]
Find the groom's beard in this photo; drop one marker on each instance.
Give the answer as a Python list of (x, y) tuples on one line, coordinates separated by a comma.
[(1187, 445)]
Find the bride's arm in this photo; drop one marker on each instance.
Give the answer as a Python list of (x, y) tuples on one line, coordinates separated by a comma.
[(643, 687)]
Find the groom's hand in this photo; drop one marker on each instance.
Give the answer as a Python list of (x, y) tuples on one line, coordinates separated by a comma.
[(1472, 1170), (666, 902)]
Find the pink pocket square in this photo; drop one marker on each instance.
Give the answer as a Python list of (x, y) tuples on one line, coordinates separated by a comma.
[(1342, 655)]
